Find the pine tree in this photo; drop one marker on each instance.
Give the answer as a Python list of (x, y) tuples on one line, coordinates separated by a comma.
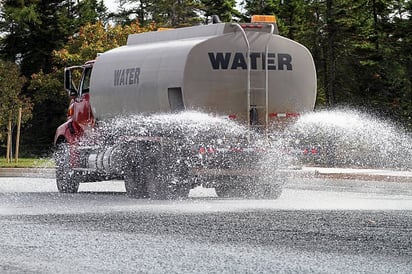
[(33, 29), (164, 13), (225, 9)]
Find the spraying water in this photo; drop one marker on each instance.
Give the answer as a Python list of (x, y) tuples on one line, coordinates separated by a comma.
[(167, 154), (342, 138), (349, 138), (186, 129)]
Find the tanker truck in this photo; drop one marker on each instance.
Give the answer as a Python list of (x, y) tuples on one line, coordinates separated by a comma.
[(247, 73)]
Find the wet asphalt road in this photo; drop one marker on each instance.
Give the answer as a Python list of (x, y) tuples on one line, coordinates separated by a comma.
[(316, 226)]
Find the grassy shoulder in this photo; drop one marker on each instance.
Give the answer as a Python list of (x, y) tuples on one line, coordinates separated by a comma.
[(27, 163)]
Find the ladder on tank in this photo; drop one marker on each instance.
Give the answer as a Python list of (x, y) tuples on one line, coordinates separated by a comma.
[(253, 110)]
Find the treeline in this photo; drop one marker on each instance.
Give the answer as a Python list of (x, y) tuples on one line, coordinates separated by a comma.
[(362, 50)]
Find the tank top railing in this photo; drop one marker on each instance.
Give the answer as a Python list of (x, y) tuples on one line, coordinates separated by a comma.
[(252, 112)]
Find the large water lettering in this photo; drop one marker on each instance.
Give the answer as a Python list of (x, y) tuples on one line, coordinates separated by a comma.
[(238, 60)]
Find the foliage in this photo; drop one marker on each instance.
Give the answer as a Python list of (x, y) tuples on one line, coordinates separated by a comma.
[(369, 72), (175, 13), (28, 163), (93, 39), (33, 29), (11, 99), (164, 13), (225, 9), (50, 105)]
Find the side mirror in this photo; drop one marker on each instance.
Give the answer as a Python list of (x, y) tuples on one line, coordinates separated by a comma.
[(68, 83)]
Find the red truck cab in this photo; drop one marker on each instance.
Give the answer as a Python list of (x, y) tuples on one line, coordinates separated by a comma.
[(79, 116)]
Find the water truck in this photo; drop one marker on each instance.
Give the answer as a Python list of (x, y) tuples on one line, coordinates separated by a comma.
[(245, 72)]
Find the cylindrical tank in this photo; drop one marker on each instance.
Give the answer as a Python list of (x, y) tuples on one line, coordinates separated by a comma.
[(203, 68)]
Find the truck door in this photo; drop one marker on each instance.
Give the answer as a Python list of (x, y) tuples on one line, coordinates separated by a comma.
[(83, 115)]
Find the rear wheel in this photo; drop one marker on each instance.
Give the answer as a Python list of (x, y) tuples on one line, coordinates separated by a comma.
[(145, 180), (167, 181), (229, 187), (134, 184), (168, 186), (67, 180), (150, 176)]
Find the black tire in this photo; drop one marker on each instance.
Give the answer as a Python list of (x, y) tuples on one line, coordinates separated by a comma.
[(178, 181), (134, 185), (181, 190), (167, 178), (269, 185), (168, 187), (231, 186), (67, 180), (156, 184), (141, 177), (147, 176), (224, 191), (163, 183)]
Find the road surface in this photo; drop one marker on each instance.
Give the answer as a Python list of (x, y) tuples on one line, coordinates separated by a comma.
[(317, 226)]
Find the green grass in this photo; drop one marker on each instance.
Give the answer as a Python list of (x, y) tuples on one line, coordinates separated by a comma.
[(27, 162)]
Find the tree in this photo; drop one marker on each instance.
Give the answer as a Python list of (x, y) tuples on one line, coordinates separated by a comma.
[(93, 39), (91, 11), (164, 13), (139, 11), (176, 13), (266, 7), (369, 72), (49, 111), (33, 29), (11, 99), (225, 9)]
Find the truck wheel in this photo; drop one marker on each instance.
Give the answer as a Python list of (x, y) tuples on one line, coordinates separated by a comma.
[(167, 178), (174, 188), (164, 184), (269, 185), (153, 177), (179, 181), (141, 178), (157, 185), (226, 188), (135, 187), (157, 191), (66, 179), (224, 191), (182, 190)]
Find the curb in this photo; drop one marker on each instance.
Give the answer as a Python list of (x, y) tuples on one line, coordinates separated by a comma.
[(28, 172), (361, 174)]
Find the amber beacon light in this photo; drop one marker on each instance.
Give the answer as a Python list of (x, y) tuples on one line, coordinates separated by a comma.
[(263, 19)]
